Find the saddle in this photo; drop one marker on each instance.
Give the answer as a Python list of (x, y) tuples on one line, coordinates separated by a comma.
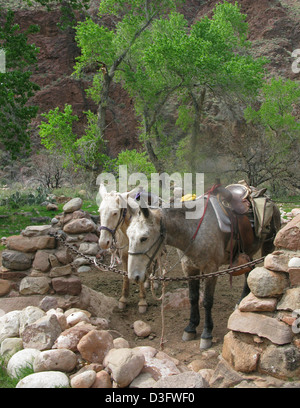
[(233, 201)]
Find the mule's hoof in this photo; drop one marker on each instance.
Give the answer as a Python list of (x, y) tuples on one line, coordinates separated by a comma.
[(122, 305), (205, 344), (146, 285), (143, 309), (188, 336)]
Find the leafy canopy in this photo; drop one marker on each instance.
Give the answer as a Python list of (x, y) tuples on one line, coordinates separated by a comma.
[(57, 135), (276, 113), (15, 85)]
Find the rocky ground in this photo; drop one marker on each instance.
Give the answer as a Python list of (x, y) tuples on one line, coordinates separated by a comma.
[(158, 333)]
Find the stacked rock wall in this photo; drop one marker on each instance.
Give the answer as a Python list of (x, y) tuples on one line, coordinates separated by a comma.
[(36, 267), (264, 331)]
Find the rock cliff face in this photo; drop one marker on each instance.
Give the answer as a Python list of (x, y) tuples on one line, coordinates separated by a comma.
[(274, 29)]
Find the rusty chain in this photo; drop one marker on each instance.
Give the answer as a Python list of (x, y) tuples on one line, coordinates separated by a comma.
[(61, 237)]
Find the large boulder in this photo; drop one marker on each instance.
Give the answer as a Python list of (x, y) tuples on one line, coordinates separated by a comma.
[(41, 334), (30, 244), (10, 325), (79, 226), (55, 360), (182, 380), (20, 360), (73, 205), (264, 326), (94, 346), (124, 364), (282, 362), (46, 379), (265, 283), (16, 260), (34, 285), (289, 236), (241, 356)]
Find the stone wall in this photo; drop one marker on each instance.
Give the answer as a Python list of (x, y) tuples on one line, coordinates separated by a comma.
[(264, 331), (36, 268)]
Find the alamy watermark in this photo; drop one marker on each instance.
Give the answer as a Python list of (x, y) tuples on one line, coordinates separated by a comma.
[(162, 185), (296, 63)]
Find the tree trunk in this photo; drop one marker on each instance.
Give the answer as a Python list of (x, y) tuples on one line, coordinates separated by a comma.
[(101, 112), (198, 103), (154, 159)]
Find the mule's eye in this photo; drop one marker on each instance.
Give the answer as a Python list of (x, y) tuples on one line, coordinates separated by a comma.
[(114, 214), (143, 239)]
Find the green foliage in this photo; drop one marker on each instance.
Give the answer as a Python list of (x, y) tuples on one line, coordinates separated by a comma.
[(57, 136), (10, 382), (57, 132), (276, 113), (17, 200), (136, 162), (142, 8), (96, 44), (15, 85), (90, 145)]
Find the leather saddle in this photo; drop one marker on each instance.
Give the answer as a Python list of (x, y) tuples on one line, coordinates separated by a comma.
[(235, 197), (235, 205)]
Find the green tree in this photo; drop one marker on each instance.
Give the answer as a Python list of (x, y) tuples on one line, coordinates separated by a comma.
[(107, 49), (152, 88), (15, 85), (57, 135), (136, 162), (207, 61), (279, 124), (217, 67)]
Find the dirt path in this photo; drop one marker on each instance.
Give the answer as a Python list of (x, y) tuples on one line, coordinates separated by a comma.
[(174, 320)]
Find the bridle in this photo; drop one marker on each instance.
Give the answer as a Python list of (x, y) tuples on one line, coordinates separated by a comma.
[(114, 230), (159, 241)]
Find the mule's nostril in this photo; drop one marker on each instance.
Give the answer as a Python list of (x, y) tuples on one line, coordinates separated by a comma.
[(107, 243), (137, 278)]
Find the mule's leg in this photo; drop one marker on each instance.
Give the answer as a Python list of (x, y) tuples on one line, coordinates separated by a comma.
[(142, 303), (246, 289), (190, 330), (125, 293), (125, 288), (206, 336)]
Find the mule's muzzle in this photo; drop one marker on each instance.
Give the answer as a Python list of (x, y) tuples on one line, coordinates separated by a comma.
[(137, 276), (104, 243)]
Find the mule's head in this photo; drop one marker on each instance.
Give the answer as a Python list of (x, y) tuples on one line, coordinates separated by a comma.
[(111, 211), (145, 242)]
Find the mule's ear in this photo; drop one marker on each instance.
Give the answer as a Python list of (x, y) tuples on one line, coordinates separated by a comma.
[(102, 190), (132, 193), (132, 207), (144, 208)]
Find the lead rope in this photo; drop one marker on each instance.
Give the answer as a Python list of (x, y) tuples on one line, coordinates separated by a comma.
[(163, 272)]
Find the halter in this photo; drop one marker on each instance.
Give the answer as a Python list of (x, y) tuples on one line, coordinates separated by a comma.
[(160, 239), (113, 231)]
